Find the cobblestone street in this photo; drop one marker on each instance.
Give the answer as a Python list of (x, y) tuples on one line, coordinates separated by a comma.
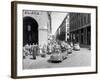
[(75, 59)]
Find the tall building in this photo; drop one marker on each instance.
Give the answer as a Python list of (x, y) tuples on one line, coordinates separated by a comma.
[(36, 27), (80, 28), (62, 32)]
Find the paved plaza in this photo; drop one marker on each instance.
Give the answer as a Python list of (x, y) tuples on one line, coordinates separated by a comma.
[(75, 59)]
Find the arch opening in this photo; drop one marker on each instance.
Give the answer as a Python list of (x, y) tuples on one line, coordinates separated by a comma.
[(30, 31)]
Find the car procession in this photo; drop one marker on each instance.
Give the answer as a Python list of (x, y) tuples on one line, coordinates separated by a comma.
[(57, 50)]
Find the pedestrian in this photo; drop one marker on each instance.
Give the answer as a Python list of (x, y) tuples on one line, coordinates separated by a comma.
[(40, 49), (49, 48), (34, 52), (71, 44), (36, 48)]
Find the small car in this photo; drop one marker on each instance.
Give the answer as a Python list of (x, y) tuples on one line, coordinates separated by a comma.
[(68, 48), (76, 47), (63, 49), (58, 57), (69, 51), (64, 55)]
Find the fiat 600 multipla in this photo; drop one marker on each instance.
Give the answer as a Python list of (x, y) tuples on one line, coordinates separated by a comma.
[(58, 57)]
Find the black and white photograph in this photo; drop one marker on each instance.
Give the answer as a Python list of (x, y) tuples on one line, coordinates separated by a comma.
[(56, 39), (53, 39)]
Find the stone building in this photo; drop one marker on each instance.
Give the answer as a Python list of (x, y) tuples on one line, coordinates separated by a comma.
[(36, 27), (80, 28), (62, 32)]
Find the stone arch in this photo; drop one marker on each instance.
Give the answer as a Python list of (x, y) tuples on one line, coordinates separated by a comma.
[(30, 30)]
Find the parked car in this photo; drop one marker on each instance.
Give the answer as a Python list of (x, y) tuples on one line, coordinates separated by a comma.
[(58, 57), (76, 47), (63, 46)]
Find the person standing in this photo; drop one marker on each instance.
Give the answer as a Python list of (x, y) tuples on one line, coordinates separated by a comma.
[(34, 51)]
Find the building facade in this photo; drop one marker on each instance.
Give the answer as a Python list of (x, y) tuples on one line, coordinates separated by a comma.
[(36, 27), (80, 28), (62, 32)]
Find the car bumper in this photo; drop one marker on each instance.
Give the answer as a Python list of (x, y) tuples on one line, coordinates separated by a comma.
[(56, 59)]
